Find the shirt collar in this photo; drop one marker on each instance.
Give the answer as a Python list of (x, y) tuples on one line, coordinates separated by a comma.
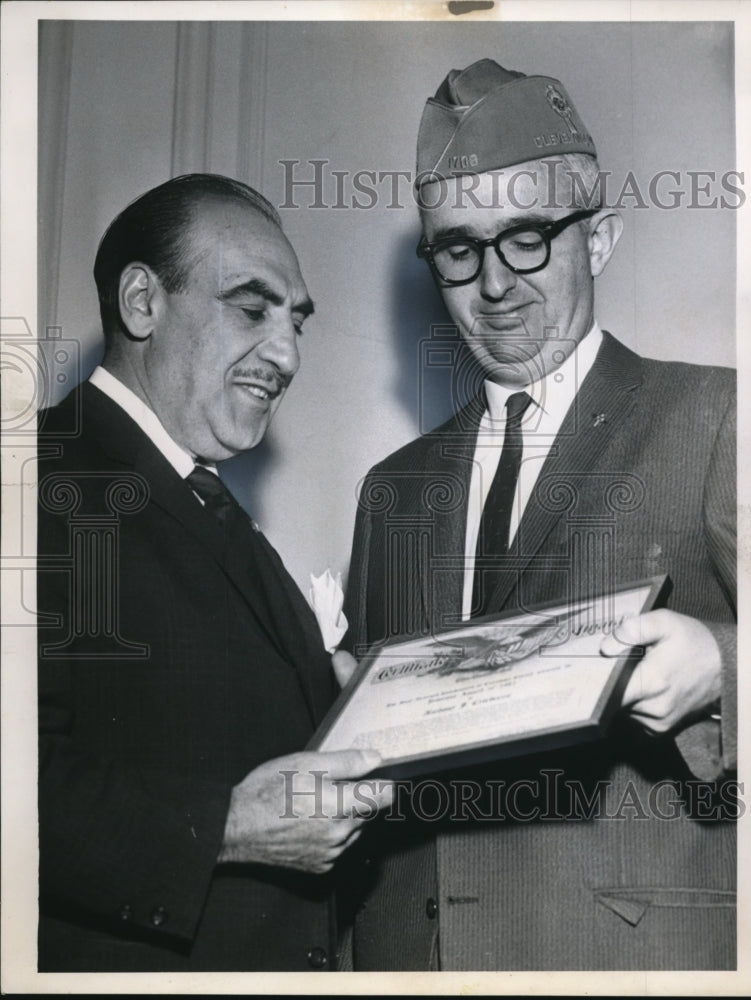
[(554, 393), (181, 460)]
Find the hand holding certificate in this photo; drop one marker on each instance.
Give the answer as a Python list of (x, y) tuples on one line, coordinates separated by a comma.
[(502, 687)]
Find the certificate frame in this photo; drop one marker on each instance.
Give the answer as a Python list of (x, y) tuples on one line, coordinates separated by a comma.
[(498, 686)]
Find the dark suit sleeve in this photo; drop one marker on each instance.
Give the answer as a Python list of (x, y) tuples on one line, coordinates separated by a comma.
[(354, 598), (709, 747), (117, 843), (364, 604)]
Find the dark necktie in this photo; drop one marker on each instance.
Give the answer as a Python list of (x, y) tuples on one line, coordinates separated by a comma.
[(216, 497), (495, 523)]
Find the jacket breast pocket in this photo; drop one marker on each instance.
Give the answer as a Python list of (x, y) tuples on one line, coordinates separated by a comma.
[(668, 928)]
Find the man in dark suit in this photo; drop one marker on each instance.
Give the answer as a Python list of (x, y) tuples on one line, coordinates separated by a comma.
[(578, 466), (181, 672)]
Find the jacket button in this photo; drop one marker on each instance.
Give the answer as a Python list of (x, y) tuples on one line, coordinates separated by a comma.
[(431, 908), (159, 916), (317, 958), (125, 912)]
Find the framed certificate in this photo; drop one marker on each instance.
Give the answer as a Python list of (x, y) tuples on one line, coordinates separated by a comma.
[(497, 687)]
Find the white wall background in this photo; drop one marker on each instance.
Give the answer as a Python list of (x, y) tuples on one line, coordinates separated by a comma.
[(123, 106)]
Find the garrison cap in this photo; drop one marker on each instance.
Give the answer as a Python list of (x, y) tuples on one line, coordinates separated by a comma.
[(486, 117)]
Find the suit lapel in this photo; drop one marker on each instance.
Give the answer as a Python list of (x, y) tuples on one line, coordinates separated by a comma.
[(600, 409), (295, 627), (124, 441), (448, 465), (251, 564)]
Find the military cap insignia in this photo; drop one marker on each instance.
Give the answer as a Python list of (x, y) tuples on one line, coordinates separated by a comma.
[(560, 105)]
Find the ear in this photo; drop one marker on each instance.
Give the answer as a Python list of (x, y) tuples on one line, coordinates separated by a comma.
[(605, 231), (137, 293)]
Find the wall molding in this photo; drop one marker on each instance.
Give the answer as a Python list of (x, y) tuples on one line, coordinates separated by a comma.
[(251, 123), (191, 117), (55, 67)]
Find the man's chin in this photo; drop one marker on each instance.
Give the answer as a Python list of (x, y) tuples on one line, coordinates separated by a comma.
[(248, 442), (517, 366), (232, 443)]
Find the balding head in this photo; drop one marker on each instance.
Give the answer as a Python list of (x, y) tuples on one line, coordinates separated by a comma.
[(155, 230)]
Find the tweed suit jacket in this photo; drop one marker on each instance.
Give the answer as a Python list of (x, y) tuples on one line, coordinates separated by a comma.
[(640, 481), (173, 660)]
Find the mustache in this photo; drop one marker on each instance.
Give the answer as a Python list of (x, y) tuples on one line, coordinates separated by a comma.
[(274, 381)]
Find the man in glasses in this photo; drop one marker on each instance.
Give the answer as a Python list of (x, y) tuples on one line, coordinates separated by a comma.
[(576, 467)]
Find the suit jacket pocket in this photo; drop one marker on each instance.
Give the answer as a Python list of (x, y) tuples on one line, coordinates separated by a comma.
[(632, 904)]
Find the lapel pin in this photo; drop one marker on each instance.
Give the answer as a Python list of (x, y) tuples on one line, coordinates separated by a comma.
[(600, 418)]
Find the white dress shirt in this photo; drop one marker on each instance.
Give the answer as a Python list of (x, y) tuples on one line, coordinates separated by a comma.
[(181, 460), (552, 397)]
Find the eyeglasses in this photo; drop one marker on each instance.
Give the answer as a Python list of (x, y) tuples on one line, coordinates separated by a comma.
[(524, 249)]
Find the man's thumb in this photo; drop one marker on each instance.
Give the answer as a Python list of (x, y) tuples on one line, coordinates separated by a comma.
[(344, 666), (630, 633)]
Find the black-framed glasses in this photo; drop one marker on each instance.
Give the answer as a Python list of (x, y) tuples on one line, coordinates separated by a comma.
[(524, 249)]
